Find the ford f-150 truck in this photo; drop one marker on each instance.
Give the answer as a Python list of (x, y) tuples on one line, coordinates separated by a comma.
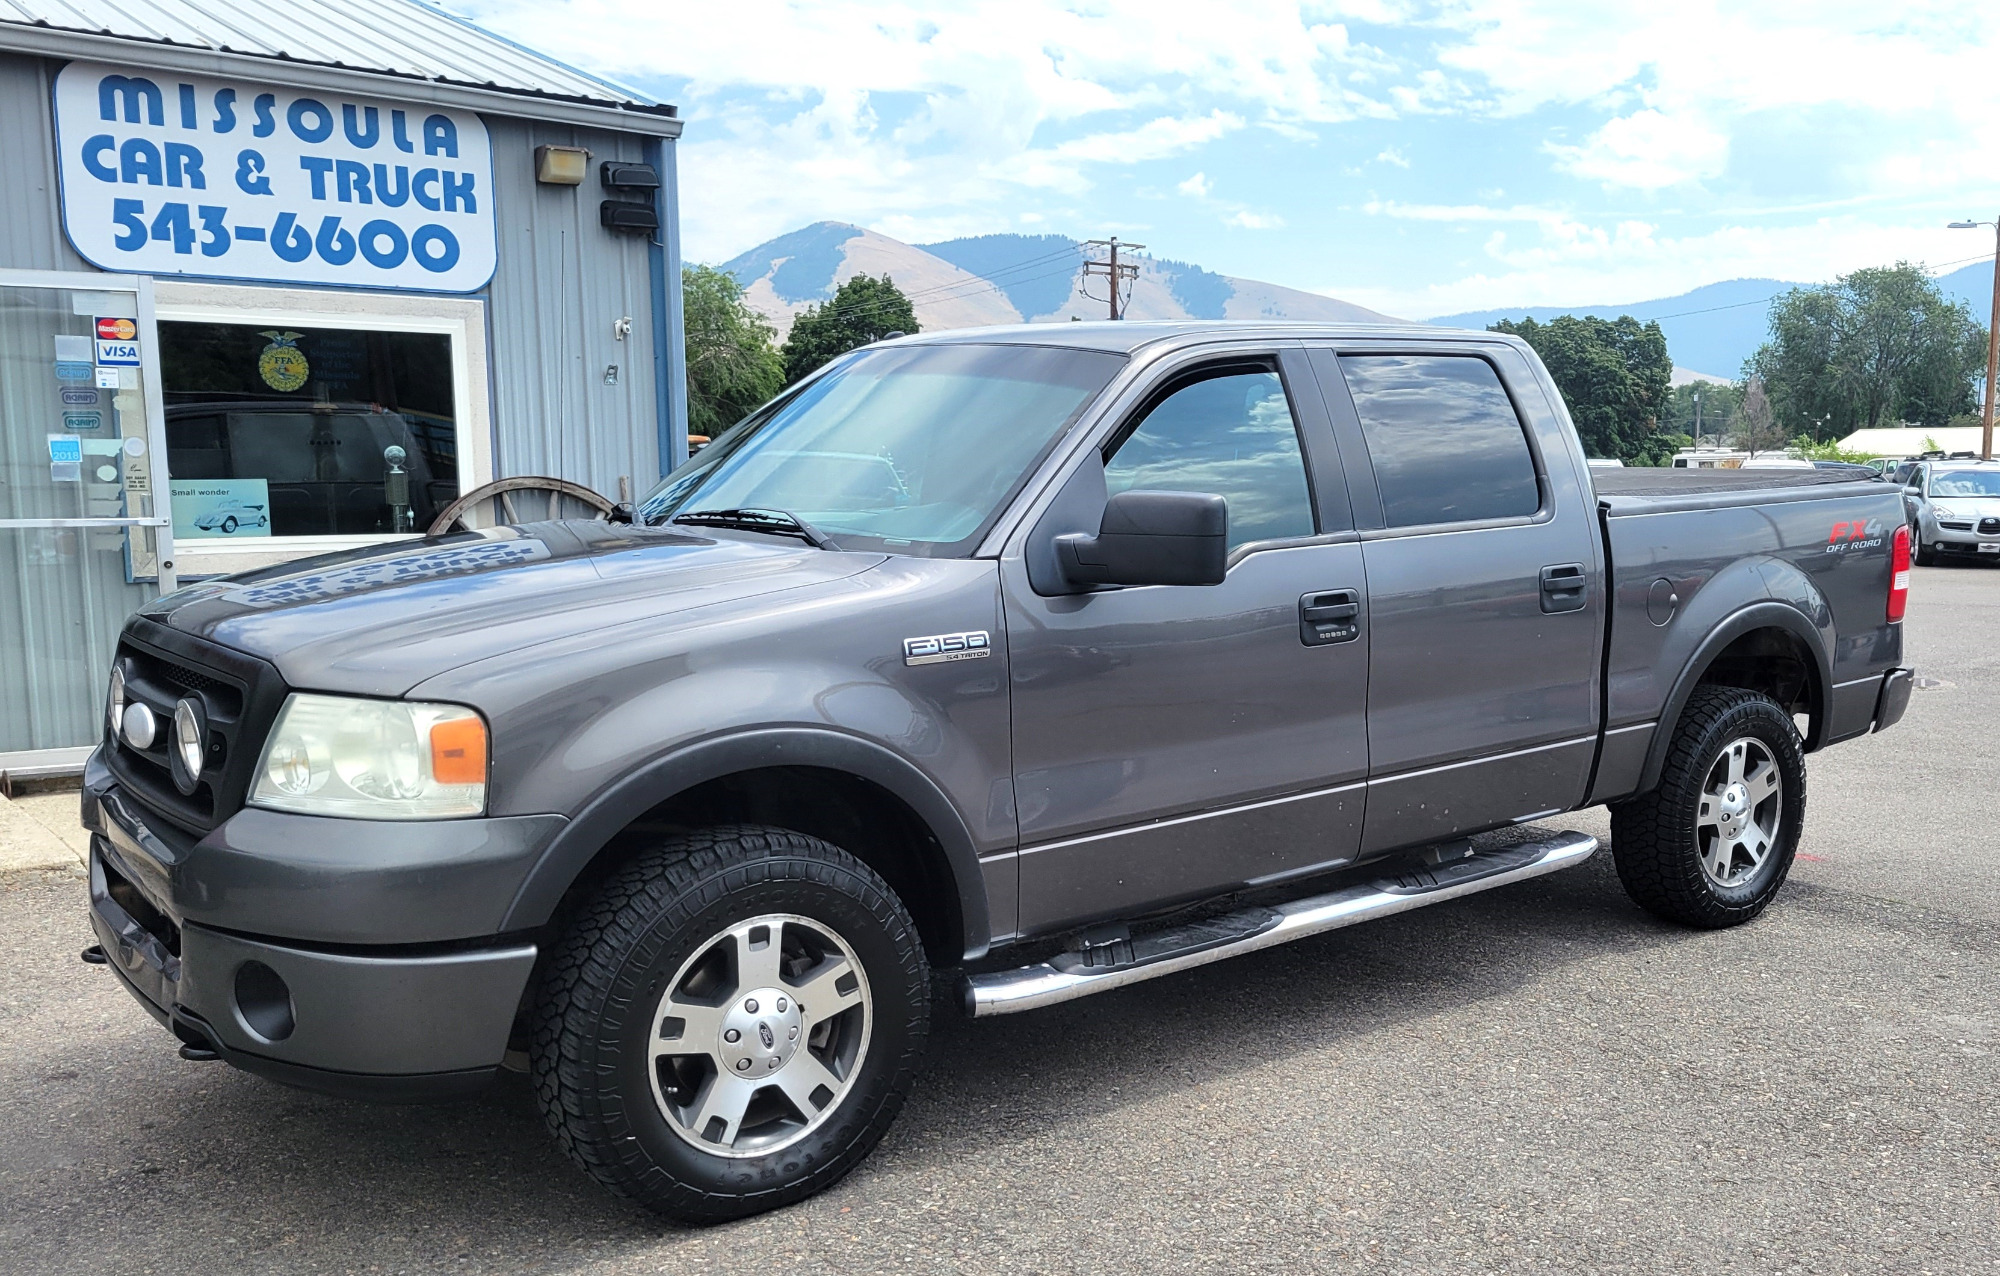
[(1042, 660)]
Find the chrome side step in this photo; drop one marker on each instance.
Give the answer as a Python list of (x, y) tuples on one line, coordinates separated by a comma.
[(1072, 975)]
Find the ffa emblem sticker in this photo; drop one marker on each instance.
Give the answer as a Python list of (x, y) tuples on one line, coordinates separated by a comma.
[(282, 364)]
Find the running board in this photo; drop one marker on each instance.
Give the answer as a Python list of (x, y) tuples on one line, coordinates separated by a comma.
[(1124, 959)]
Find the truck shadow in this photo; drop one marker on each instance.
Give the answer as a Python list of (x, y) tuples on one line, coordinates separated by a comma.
[(185, 1154)]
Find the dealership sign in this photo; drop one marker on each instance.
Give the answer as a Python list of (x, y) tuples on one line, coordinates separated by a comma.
[(185, 175)]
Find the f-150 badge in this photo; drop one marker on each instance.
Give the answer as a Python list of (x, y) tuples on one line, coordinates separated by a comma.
[(938, 648)]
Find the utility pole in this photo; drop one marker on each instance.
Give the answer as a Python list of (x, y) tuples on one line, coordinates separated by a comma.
[(1113, 272), (1992, 338)]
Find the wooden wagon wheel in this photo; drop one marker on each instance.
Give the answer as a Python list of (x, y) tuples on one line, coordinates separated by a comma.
[(528, 498)]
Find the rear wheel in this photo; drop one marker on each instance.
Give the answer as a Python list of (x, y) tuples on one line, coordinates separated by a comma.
[(731, 1023), (1711, 845)]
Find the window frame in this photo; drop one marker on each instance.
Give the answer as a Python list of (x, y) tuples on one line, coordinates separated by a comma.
[(1353, 440), (462, 320)]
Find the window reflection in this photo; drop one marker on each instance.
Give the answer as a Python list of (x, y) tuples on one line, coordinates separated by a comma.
[(1442, 433), (1230, 435), (279, 430)]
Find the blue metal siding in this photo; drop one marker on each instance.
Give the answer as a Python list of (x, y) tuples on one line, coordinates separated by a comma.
[(562, 283)]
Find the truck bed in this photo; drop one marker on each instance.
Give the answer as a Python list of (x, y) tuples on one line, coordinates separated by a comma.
[(1650, 490)]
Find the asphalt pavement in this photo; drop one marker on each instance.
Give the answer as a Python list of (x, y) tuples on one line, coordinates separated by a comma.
[(1539, 1078)]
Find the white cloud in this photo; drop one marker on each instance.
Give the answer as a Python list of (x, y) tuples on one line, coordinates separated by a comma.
[(1247, 220), (1198, 186), (800, 110), (1648, 149), (1390, 155)]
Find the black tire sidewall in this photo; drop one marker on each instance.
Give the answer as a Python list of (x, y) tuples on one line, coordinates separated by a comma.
[(861, 913), (1762, 720)]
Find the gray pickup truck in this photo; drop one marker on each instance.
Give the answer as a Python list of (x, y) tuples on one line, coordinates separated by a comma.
[(1039, 660)]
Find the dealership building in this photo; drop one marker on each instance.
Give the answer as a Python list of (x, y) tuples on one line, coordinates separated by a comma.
[(283, 279)]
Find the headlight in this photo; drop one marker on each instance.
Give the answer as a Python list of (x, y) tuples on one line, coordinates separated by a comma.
[(1944, 511), (114, 711), (373, 759)]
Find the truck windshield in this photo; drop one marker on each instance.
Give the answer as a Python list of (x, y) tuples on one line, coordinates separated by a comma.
[(913, 450), (1966, 483)]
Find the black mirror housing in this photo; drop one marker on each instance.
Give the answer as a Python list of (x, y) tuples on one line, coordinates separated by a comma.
[(1151, 538)]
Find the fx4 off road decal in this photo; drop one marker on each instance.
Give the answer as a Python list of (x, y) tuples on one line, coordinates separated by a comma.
[(1848, 536)]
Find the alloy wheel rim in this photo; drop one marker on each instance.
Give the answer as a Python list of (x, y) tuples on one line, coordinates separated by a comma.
[(759, 1035), (1741, 803)]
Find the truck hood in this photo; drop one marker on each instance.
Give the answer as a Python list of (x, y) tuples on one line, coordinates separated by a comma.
[(378, 621)]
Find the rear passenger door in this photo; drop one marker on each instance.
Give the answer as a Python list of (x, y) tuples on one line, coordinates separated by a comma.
[(1482, 558)]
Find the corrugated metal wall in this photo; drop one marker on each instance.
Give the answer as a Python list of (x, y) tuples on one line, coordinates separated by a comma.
[(562, 283), (31, 236)]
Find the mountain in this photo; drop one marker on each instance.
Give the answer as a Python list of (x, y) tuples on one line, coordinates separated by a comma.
[(1712, 330), (990, 279)]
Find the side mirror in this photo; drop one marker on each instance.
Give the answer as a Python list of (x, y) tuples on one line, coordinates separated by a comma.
[(1151, 538)]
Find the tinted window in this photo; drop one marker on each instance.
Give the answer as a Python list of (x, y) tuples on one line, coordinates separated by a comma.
[(1229, 435), (1446, 444)]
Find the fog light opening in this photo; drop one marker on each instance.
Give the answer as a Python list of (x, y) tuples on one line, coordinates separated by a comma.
[(263, 1002)]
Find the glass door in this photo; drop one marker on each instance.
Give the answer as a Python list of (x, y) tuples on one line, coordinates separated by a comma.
[(84, 540)]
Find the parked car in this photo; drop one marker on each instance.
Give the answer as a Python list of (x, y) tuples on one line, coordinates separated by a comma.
[(1953, 508), (227, 518), (1166, 643)]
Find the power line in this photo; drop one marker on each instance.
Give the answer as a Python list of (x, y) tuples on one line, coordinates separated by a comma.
[(1738, 305)]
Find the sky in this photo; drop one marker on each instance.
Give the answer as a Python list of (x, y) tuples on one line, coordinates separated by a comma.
[(1421, 157)]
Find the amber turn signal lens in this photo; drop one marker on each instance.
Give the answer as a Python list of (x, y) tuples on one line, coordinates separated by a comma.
[(458, 751)]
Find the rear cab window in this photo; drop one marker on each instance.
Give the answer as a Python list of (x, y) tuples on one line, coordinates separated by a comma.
[(1445, 441)]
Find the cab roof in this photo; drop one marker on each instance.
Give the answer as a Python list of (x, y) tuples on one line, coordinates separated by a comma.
[(1127, 336)]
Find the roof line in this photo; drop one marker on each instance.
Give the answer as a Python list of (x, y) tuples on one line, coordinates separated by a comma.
[(632, 96), (41, 39)]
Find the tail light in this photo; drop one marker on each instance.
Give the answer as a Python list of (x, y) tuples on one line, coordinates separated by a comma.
[(1899, 577)]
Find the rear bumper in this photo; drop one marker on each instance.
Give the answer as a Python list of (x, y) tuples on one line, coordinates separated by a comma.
[(406, 1023), (1895, 697)]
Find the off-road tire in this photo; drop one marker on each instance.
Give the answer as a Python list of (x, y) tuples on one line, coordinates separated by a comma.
[(592, 1021), (1653, 839)]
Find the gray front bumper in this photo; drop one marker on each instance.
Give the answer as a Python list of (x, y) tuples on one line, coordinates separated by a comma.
[(410, 1021)]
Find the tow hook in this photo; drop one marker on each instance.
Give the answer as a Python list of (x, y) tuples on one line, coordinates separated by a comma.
[(198, 1054), (93, 955)]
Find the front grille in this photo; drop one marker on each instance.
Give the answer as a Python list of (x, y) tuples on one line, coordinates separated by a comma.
[(1951, 526), (1989, 526), (239, 695)]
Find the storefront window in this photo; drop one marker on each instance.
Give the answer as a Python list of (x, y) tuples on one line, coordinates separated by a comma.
[(288, 430)]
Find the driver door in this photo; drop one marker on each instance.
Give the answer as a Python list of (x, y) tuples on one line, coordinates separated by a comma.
[(1172, 742)]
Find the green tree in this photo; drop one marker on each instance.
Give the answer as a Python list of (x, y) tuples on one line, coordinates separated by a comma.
[(732, 354), (1871, 348), (1614, 375), (862, 310), (1755, 427), (1717, 402)]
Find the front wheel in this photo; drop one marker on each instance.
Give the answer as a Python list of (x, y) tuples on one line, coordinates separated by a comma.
[(228, 526), (1925, 556), (731, 1023), (1712, 843)]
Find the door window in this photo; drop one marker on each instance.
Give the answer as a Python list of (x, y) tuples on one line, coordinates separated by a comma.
[(1230, 434), (1442, 434)]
